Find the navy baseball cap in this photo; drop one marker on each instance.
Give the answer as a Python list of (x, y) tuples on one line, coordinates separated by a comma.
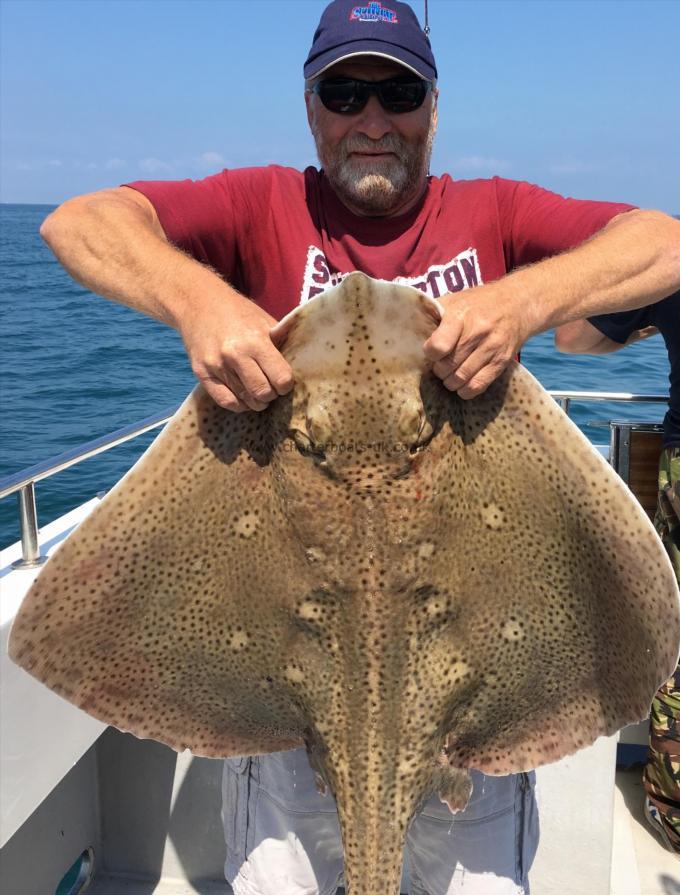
[(389, 29)]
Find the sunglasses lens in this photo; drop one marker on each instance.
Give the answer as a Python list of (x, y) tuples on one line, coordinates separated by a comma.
[(403, 95), (347, 96), (343, 95)]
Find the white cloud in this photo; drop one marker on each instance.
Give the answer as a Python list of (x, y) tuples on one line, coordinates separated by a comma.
[(92, 166), (479, 163), (54, 163), (154, 165), (112, 164), (211, 160)]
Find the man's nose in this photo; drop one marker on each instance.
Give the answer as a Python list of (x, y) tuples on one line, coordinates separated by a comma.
[(373, 120)]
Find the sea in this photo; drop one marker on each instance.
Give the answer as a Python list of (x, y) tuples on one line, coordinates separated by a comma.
[(75, 366)]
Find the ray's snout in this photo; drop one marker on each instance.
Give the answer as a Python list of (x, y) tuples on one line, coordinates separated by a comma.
[(360, 368)]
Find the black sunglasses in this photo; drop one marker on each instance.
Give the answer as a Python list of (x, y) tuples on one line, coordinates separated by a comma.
[(348, 96)]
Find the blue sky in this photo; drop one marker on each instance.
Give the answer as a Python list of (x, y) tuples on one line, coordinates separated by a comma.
[(579, 96)]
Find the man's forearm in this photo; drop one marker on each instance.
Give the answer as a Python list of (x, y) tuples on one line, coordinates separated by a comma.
[(113, 243), (114, 246), (581, 337), (632, 262)]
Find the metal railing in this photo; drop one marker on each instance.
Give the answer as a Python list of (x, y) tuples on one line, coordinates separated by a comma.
[(23, 482), (564, 399)]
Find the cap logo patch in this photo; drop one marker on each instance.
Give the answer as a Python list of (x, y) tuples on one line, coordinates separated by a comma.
[(373, 12)]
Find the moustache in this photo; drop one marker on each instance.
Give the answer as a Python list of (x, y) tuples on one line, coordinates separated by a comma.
[(388, 143)]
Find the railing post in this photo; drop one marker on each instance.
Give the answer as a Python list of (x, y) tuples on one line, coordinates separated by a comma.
[(620, 445), (28, 516), (564, 404)]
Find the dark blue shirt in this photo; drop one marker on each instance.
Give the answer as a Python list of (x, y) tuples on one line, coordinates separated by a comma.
[(665, 316)]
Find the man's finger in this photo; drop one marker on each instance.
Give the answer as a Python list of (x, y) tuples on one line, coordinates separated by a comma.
[(443, 367), (475, 387), (239, 390), (252, 381), (478, 383), (265, 374), (457, 377), (223, 396), (444, 339), (276, 368)]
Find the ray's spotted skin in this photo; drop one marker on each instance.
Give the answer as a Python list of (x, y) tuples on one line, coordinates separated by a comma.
[(409, 584)]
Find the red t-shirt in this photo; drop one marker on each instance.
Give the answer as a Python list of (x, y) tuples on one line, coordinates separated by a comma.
[(280, 236)]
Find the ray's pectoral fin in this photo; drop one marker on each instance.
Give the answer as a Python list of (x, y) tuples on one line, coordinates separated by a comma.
[(164, 613), (563, 613)]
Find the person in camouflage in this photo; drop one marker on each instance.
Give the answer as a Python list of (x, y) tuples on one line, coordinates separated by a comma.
[(662, 772), (601, 335)]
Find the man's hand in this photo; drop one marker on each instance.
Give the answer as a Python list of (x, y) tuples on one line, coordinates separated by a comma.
[(232, 354), (479, 334), (632, 262)]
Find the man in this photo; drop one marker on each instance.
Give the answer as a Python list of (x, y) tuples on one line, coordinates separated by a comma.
[(180, 251), (601, 335)]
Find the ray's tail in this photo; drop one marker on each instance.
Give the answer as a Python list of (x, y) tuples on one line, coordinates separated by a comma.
[(373, 839)]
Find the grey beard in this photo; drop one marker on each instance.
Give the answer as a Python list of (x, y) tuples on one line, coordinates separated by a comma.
[(378, 189)]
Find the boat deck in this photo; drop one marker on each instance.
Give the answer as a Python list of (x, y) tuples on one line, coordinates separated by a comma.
[(640, 864)]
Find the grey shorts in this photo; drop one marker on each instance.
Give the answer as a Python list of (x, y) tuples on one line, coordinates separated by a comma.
[(283, 838)]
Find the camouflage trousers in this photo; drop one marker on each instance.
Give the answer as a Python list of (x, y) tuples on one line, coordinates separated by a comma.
[(662, 772)]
